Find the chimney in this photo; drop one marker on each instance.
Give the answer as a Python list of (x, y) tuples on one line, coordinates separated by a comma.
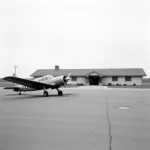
[(56, 67)]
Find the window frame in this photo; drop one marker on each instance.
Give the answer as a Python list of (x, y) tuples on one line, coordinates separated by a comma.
[(128, 78), (114, 78), (73, 78)]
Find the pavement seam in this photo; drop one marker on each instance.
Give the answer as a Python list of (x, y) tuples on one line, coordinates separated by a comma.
[(109, 125)]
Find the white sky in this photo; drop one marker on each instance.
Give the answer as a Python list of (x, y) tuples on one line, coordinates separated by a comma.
[(39, 34)]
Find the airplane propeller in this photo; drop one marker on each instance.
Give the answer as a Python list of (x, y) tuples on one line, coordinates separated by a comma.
[(66, 79)]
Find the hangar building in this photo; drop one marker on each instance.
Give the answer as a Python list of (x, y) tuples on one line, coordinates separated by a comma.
[(122, 76)]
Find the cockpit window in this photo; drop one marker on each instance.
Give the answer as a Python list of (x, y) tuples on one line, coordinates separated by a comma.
[(42, 79)]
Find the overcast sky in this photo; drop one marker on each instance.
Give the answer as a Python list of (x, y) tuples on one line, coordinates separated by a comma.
[(39, 34)]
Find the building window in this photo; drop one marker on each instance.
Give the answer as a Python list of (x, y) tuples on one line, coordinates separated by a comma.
[(128, 78), (115, 78), (74, 78)]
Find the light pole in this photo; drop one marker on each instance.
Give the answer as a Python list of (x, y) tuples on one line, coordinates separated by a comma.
[(15, 70)]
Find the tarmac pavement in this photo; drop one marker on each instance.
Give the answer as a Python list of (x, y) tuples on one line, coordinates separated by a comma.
[(84, 118)]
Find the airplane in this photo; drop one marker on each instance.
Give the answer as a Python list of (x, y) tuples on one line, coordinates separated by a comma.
[(41, 83)]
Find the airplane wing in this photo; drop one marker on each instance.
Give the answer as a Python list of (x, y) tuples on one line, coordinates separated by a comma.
[(30, 83)]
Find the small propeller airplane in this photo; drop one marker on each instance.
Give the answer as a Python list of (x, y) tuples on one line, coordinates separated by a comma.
[(42, 83)]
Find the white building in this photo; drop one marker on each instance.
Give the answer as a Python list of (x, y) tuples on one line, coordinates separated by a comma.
[(122, 76)]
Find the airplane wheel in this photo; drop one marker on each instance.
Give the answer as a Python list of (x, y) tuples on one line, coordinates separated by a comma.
[(60, 93), (45, 93), (19, 93)]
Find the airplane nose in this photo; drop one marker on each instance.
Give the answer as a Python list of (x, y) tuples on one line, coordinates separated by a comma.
[(64, 78)]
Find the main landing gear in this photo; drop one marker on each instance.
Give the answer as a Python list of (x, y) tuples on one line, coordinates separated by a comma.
[(20, 93), (60, 93), (45, 94)]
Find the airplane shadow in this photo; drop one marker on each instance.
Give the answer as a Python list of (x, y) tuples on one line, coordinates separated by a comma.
[(30, 96)]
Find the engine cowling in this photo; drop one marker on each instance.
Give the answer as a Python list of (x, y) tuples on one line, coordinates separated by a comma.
[(59, 81)]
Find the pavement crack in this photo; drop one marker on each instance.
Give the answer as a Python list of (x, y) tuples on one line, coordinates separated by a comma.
[(109, 125)]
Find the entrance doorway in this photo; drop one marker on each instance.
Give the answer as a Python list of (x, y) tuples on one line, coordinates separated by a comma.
[(95, 80)]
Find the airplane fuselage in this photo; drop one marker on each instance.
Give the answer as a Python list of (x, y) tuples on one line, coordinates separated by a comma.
[(56, 82)]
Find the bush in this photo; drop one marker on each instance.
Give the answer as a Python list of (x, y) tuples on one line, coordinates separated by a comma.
[(134, 84), (124, 84), (79, 83)]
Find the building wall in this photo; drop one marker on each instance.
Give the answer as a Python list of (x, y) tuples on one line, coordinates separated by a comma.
[(136, 80), (81, 80), (106, 80), (121, 80)]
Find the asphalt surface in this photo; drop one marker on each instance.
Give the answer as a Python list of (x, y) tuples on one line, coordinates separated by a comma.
[(84, 118)]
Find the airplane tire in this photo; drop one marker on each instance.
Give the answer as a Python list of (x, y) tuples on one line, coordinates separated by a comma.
[(60, 93), (45, 94)]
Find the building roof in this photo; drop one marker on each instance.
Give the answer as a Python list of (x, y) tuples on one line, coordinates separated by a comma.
[(86, 72)]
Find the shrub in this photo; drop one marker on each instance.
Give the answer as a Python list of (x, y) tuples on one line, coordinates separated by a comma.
[(109, 84), (79, 83), (134, 84)]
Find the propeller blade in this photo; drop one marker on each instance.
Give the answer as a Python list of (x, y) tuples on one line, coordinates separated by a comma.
[(66, 79)]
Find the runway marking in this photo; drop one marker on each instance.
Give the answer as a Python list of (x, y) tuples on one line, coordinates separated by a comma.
[(123, 107)]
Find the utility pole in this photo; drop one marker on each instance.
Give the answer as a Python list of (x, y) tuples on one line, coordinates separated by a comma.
[(15, 74)]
